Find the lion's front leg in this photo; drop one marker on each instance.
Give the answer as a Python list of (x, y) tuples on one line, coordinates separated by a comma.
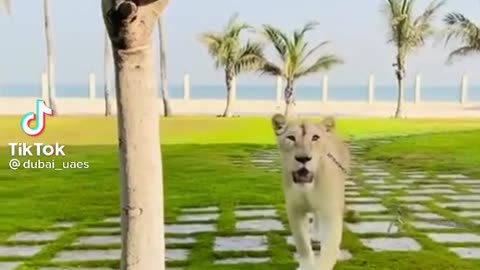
[(299, 226)]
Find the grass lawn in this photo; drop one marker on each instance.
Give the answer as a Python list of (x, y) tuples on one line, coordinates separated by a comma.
[(207, 161)]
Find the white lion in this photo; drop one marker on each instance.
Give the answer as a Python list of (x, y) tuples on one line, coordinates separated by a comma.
[(315, 165)]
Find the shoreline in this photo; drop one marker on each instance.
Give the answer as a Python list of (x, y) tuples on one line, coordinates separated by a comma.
[(207, 107)]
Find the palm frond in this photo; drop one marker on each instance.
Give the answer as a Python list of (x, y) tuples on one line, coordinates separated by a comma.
[(249, 58), (278, 39), (312, 51), (325, 62), (462, 52), (271, 69), (429, 13), (461, 28), (7, 6)]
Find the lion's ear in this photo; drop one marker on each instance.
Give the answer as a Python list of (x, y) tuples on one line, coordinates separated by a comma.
[(278, 122), (329, 123)]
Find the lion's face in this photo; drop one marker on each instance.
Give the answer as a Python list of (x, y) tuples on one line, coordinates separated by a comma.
[(302, 145)]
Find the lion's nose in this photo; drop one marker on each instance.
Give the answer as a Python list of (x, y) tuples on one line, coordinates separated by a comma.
[(303, 159)]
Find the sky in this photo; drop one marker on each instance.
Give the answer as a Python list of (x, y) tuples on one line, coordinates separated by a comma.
[(356, 29)]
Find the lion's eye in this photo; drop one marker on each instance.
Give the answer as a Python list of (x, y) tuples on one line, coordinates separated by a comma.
[(291, 138), (315, 138)]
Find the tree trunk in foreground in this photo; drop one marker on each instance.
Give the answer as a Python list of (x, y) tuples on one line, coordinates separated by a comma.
[(230, 94), (400, 74), (289, 101), (130, 27), (50, 56), (167, 109), (107, 70)]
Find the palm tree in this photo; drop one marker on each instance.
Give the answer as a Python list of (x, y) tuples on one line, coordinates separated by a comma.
[(107, 70), (167, 109), (294, 52), (464, 30), (50, 55), (130, 26), (6, 5), (231, 55), (407, 33)]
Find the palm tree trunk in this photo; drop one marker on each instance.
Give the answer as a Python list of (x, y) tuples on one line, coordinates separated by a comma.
[(50, 55), (229, 82), (400, 74), (107, 71), (130, 29), (167, 110), (289, 99)]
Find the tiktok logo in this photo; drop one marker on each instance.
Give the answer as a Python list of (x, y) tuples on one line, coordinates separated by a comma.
[(41, 111)]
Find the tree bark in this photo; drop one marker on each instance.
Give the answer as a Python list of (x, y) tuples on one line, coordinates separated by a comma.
[(107, 71), (289, 99), (50, 55), (130, 25), (229, 82), (167, 109), (400, 74)]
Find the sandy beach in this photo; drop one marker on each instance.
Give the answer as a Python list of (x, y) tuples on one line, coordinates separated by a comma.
[(86, 106)]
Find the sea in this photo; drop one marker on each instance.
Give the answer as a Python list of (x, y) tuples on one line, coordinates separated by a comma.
[(264, 92)]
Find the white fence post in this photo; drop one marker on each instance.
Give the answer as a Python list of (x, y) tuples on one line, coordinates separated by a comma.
[(92, 86), (325, 89), (371, 89), (186, 87), (464, 89), (418, 89)]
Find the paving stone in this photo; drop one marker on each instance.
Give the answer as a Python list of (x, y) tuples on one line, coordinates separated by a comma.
[(431, 191), (391, 187), (381, 192), (468, 213), (260, 225), (113, 220), (75, 268), (9, 265), (372, 227), (189, 228), (176, 254), (422, 225), (414, 198), (361, 199), (172, 240), (392, 244), (377, 217), (467, 182), (256, 213), (476, 222), (467, 252), (344, 255), (103, 230), (254, 207), (201, 209), (64, 225), (376, 174), (245, 260), (88, 255), (375, 182), (350, 183), (35, 236), (372, 207), (417, 176), (407, 181), (415, 207), (451, 176), (427, 216), (474, 190), (262, 161), (464, 197), (352, 193), (19, 251), (241, 243), (440, 186), (199, 217), (462, 205), (454, 237), (98, 240)]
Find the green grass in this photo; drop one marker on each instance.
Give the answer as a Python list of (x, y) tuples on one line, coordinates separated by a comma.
[(198, 171)]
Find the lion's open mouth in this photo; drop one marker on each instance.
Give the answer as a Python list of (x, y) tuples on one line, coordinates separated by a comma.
[(302, 176)]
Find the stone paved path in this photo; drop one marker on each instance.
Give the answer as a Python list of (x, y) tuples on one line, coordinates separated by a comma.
[(388, 206)]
